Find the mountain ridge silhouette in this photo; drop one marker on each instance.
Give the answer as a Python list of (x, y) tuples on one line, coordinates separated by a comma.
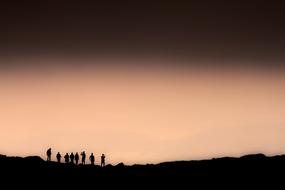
[(254, 171)]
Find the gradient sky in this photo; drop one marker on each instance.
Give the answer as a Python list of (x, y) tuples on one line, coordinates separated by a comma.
[(141, 114), (142, 81)]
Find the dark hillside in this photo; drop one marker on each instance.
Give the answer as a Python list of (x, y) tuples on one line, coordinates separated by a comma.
[(250, 171)]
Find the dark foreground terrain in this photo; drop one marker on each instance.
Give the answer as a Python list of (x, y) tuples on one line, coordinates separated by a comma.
[(248, 172)]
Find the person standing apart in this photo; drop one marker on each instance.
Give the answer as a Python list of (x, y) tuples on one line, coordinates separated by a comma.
[(49, 154)]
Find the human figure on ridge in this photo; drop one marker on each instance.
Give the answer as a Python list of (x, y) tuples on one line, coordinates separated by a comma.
[(76, 157), (58, 157), (103, 160), (66, 158), (71, 158), (83, 157), (92, 159), (49, 154)]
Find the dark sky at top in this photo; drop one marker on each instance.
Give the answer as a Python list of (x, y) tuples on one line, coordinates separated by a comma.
[(223, 29)]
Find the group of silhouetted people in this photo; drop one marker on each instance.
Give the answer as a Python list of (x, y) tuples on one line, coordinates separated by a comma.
[(74, 158)]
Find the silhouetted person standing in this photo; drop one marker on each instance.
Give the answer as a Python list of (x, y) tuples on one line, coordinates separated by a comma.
[(58, 157), (83, 157), (49, 154), (76, 157), (66, 158), (103, 160), (92, 159), (71, 158)]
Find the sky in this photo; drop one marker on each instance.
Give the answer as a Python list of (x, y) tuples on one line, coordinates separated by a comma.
[(142, 82), (142, 115)]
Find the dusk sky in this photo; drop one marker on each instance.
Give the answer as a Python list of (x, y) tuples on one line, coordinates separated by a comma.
[(142, 82)]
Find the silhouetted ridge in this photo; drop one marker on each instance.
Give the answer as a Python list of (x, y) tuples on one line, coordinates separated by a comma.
[(255, 171), (35, 159), (254, 156)]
